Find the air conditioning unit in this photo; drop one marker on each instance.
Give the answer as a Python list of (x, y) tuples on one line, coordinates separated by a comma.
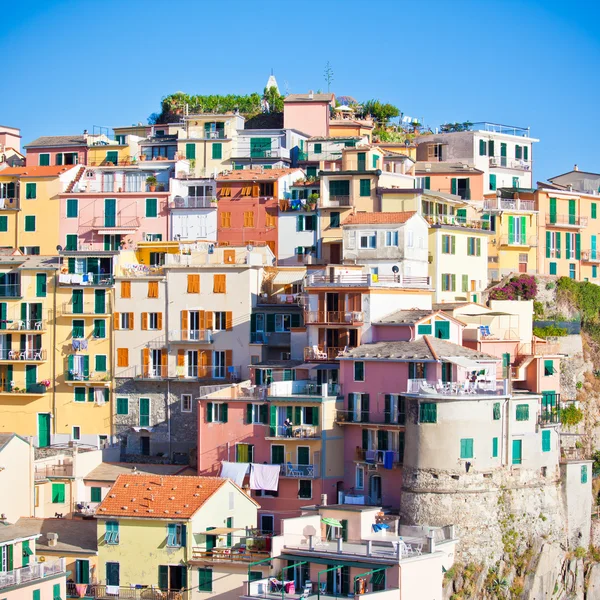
[(493, 162)]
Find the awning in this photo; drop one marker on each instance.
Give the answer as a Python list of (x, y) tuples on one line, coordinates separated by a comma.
[(289, 276), (116, 231), (465, 363), (331, 521), (330, 562), (219, 531), (327, 367)]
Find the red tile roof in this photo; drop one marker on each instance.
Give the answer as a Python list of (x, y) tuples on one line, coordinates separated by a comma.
[(51, 171), (255, 174), (368, 218), (158, 496)]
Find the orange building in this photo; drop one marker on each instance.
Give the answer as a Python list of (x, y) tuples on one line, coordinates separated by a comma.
[(457, 178)]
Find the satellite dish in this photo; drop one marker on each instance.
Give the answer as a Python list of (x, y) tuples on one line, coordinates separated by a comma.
[(395, 269), (249, 247), (59, 248)]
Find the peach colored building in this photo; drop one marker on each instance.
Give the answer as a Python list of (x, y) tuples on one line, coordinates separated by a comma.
[(308, 113), (457, 178)]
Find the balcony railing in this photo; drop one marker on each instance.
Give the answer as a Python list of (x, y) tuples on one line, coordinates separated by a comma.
[(518, 240), (194, 202), (553, 220), (86, 279), (590, 256), (297, 432), (538, 349), (155, 373), (350, 317), (376, 456), (23, 325), (259, 337), (45, 471), (102, 592), (199, 336), (87, 308), (324, 352), (456, 221), (9, 204), (425, 388), (234, 554), (10, 290), (28, 575), (297, 471), (32, 389), (121, 161), (334, 201), (384, 418), (509, 204), (341, 279), (96, 377), (116, 221), (23, 355), (510, 163)]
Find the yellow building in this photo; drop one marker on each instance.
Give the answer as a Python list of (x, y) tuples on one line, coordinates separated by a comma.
[(513, 217), (16, 478), (409, 150), (30, 206), (569, 229), (185, 528)]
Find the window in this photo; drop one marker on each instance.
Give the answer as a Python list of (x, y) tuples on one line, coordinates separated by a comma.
[(216, 412), (111, 534), (594, 210), (448, 282), (30, 223), (44, 160), (473, 246), (78, 329), (219, 322), (359, 480), (546, 440), (584, 474), (375, 161), (572, 271), (225, 220), (122, 357), (58, 493), (482, 148), (40, 285), (144, 412), (305, 489), (248, 218), (466, 448), (122, 406), (391, 238), (205, 579), (96, 494), (448, 244), (76, 435), (359, 371), (334, 220), (317, 148), (176, 535), (79, 394), (496, 411), (244, 453), (522, 412), (219, 284), (126, 320), (153, 289), (34, 250), (282, 323), (549, 368), (465, 283), (257, 414), (306, 223), (99, 328), (424, 329), (190, 151), (365, 187), (154, 320), (552, 266), (594, 272), (217, 151), (495, 447), (30, 191), (151, 208), (368, 240), (186, 403), (518, 151), (428, 412), (100, 363), (71, 242)]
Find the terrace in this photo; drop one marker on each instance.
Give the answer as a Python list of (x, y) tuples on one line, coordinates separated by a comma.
[(341, 278), (99, 591), (456, 221), (517, 205), (555, 221), (31, 574)]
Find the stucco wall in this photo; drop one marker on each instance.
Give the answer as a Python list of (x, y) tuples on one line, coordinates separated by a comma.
[(577, 498)]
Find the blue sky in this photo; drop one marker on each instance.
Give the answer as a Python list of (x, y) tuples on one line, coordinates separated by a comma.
[(70, 65)]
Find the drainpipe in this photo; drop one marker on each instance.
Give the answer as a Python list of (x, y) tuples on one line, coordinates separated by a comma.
[(167, 348), (111, 343), (54, 317)]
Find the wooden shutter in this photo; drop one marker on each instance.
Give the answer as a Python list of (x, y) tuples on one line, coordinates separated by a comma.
[(228, 320), (145, 360), (256, 191), (131, 320), (209, 319), (122, 357), (184, 324), (153, 289), (164, 357), (229, 256), (144, 320), (180, 358), (219, 284), (201, 320), (193, 283), (125, 289), (228, 358), (159, 320)]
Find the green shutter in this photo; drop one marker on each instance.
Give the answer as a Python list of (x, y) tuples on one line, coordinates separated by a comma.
[(72, 208), (511, 230), (224, 408), (492, 181), (151, 207), (272, 420), (44, 160), (122, 406), (209, 412), (365, 187), (96, 494), (584, 473), (190, 151), (30, 191), (466, 448), (453, 185), (3, 223), (427, 182), (58, 493), (163, 577), (548, 243), (552, 210), (315, 415), (99, 302), (546, 440), (30, 223), (578, 246), (100, 362), (465, 283), (71, 242), (523, 233), (40, 285), (497, 410), (594, 210), (482, 148), (572, 212), (217, 151), (557, 252), (495, 447)]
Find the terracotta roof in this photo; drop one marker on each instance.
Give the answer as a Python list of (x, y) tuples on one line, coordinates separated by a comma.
[(255, 174), (158, 496), (369, 218), (309, 98), (51, 171)]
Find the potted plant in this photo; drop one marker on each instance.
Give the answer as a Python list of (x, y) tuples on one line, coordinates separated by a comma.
[(214, 200), (151, 182), (160, 187), (312, 200)]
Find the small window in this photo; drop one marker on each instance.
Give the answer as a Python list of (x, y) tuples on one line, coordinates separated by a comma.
[(334, 220), (175, 535), (58, 493), (186, 403), (549, 368), (122, 406), (546, 433), (359, 371), (153, 321), (111, 535), (466, 448), (99, 328), (126, 320), (305, 489), (217, 151), (496, 411), (76, 433), (428, 412), (584, 473), (30, 191), (368, 240), (391, 238), (360, 478), (205, 579), (96, 494), (522, 412), (495, 447), (30, 223), (100, 363), (365, 187), (220, 321), (44, 160), (317, 148), (218, 412), (151, 208)]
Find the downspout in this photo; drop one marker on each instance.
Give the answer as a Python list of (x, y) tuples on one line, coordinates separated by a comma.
[(54, 351), (111, 343), (167, 348)]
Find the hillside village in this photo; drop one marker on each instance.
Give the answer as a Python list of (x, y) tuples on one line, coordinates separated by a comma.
[(297, 346)]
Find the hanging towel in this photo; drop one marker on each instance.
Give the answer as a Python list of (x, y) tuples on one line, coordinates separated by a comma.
[(388, 459), (99, 396), (234, 471), (76, 345), (264, 477), (370, 456), (112, 590), (83, 344), (81, 589)]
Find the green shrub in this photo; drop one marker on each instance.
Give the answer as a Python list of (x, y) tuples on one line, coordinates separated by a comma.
[(550, 285), (571, 415), (549, 331)]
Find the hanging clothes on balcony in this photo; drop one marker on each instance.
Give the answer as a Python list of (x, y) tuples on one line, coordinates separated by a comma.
[(234, 471), (264, 477), (388, 459)]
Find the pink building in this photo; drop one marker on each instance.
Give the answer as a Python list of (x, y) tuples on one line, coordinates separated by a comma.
[(57, 150), (106, 207), (308, 113)]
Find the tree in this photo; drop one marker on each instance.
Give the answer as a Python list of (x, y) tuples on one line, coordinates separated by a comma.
[(273, 99), (382, 112)]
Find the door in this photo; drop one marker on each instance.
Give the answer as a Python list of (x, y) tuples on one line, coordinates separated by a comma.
[(211, 540), (375, 489), (30, 376), (145, 445), (219, 365), (345, 580), (362, 161), (177, 577), (517, 452), (82, 571), (335, 254), (304, 460), (99, 301), (43, 430), (110, 212), (112, 573), (77, 302)]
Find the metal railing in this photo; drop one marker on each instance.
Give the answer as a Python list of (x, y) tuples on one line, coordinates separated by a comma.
[(201, 336), (426, 388), (194, 202), (338, 279), (23, 325), (9, 204), (383, 418), (119, 221), (335, 201), (456, 221), (375, 456), (298, 471), (10, 290), (498, 128), (302, 432), (590, 255), (180, 372), (518, 240), (31, 573), (566, 220), (98, 377), (10, 387), (510, 163), (349, 317), (508, 204), (122, 161), (324, 352), (101, 592), (86, 279), (45, 471), (87, 308), (218, 554), (23, 355)]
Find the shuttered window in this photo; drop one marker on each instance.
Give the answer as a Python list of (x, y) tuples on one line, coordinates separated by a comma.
[(190, 151), (153, 289), (495, 447), (219, 284), (205, 580), (122, 357), (217, 151), (496, 411), (248, 218), (522, 412), (3, 223), (125, 289), (584, 473), (151, 208), (466, 448), (428, 412), (58, 493), (122, 406), (30, 223), (546, 440), (365, 187), (30, 191), (193, 283), (225, 219)]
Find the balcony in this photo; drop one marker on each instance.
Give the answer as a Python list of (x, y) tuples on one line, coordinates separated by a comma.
[(194, 336), (134, 271), (27, 355), (481, 387), (158, 373), (121, 161), (9, 204), (43, 471), (455, 221), (294, 433), (103, 592), (24, 326), (518, 205), (85, 279), (33, 390), (565, 221), (591, 256), (335, 202), (77, 378), (124, 223), (386, 418), (89, 309), (327, 353), (193, 202), (288, 389), (328, 317), (10, 290), (519, 240), (504, 162), (277, 299), (259, 337), (376, 457), (31, 574), (359, 279), (296, 471)]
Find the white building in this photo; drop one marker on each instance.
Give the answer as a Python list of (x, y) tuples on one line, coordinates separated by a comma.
[(273, 148), (193, 209)]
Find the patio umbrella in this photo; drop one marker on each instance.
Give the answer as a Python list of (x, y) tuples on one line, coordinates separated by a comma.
[(331, 522)]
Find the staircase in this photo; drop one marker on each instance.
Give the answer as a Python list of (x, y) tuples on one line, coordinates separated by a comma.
[(520, 366), (76, 180)]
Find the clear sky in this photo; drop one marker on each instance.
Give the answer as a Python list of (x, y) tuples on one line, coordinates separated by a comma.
[(68, 65)]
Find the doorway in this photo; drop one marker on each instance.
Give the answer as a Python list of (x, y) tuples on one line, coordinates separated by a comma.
[(375, 489), (335, 254), (110, 212)]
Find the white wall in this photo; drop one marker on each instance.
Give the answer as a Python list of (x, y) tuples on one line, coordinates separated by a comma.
[(194, 224), (289, 238)]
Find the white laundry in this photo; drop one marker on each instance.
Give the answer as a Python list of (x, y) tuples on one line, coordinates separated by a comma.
[(264, 477), (234, 471)]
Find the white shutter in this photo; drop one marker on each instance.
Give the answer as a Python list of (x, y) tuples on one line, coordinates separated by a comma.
[(351, 240)]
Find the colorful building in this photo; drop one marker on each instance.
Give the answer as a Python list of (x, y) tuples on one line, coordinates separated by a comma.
[(192, 209), (271, 148), (308, 113), (16, 478), (458, 179), (185, 527), (10, 147)]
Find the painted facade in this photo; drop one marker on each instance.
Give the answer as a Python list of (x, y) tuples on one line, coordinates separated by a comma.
[(192, 209), (16, 477), (308, 113)]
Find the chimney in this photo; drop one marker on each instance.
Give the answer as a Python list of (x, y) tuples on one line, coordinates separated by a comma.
[(52, 539), (323, 499), (310, 94), (575, 168)]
